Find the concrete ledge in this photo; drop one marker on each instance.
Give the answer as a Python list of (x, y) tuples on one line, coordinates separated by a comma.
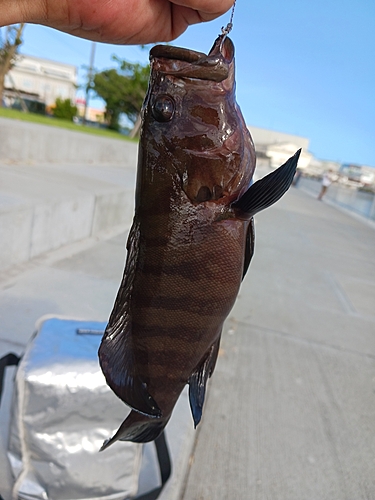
[(112, 210), (28, 232), (44, 208), (59, 186), (29, 142), (15, 229)]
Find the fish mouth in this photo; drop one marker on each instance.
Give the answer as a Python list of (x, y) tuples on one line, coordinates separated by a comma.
[(186, 63)]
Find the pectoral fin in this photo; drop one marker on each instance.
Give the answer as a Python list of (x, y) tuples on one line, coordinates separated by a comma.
[(116, 352), (265, 192), (198, 381)]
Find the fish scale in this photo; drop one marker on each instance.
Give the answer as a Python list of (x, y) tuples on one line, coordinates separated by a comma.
[(192, 237)]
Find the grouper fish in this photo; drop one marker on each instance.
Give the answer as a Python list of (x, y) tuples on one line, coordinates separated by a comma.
[(192, 236)]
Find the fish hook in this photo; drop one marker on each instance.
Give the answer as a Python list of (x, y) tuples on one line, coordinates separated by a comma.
[(228, 28)]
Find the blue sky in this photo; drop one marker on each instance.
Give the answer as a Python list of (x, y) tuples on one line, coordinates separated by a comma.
[(303, 67)]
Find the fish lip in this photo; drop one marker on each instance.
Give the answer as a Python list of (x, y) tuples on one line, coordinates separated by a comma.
[(176, 53), (187, 63), (222, 48)]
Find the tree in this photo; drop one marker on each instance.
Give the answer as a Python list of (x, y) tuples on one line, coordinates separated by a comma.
[(123, 90), (8, 51), (64, 109)]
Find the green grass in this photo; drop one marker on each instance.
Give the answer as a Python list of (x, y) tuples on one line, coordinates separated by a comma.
[(56, 122)]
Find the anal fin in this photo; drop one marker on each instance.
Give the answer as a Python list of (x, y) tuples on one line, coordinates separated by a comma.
[(137, 429), (198, 381)]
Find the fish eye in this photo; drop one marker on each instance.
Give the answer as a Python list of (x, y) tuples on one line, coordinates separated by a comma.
[(163, 108)]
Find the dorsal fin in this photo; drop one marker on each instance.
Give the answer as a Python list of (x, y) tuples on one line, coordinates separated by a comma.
[(116, 352)]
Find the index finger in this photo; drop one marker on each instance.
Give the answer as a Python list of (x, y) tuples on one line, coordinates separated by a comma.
[(207, 9)]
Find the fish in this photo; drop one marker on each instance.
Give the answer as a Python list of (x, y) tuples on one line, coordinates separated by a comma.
[(192, 237)]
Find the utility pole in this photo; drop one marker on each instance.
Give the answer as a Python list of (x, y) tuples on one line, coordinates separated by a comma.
[(89, 82), (8, 52)]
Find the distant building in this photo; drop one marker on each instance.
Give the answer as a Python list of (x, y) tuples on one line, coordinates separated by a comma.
[(351, 172), (277, 147), (368, 176), (263, 138), (357, 174), (318, 167), (40, 80), (278, 154), (93, 115)]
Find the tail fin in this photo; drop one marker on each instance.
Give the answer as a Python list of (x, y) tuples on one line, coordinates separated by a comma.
[(138, 429), (265, 192)]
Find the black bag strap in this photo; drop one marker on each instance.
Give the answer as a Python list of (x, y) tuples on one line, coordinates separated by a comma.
[(165, 468), (9, 359)]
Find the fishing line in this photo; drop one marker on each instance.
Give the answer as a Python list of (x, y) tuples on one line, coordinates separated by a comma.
[(228, 28)]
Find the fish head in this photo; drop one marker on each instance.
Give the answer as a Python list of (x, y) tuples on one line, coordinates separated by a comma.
[(193, 129)]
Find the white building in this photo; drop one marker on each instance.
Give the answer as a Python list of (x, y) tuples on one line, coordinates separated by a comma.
[(281, 152), (318, 167), (263, 138), (41, 79), (368, 176), (357, 174), (279, 146)]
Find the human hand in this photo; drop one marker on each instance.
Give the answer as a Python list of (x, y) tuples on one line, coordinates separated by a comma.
[(115, 21)]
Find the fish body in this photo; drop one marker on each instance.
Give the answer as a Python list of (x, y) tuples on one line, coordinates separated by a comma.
[(192, 237)]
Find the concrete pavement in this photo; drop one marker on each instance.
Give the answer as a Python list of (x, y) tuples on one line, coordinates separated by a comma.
[(290, 412)]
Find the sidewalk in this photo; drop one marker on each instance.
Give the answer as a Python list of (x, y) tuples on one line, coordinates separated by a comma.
[(290, 413)]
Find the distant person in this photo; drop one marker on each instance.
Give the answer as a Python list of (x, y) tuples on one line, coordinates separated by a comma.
[(327, 180), (117, 21)]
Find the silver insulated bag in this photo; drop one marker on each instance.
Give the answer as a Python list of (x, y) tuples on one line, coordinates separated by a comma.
[(62, 411)]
